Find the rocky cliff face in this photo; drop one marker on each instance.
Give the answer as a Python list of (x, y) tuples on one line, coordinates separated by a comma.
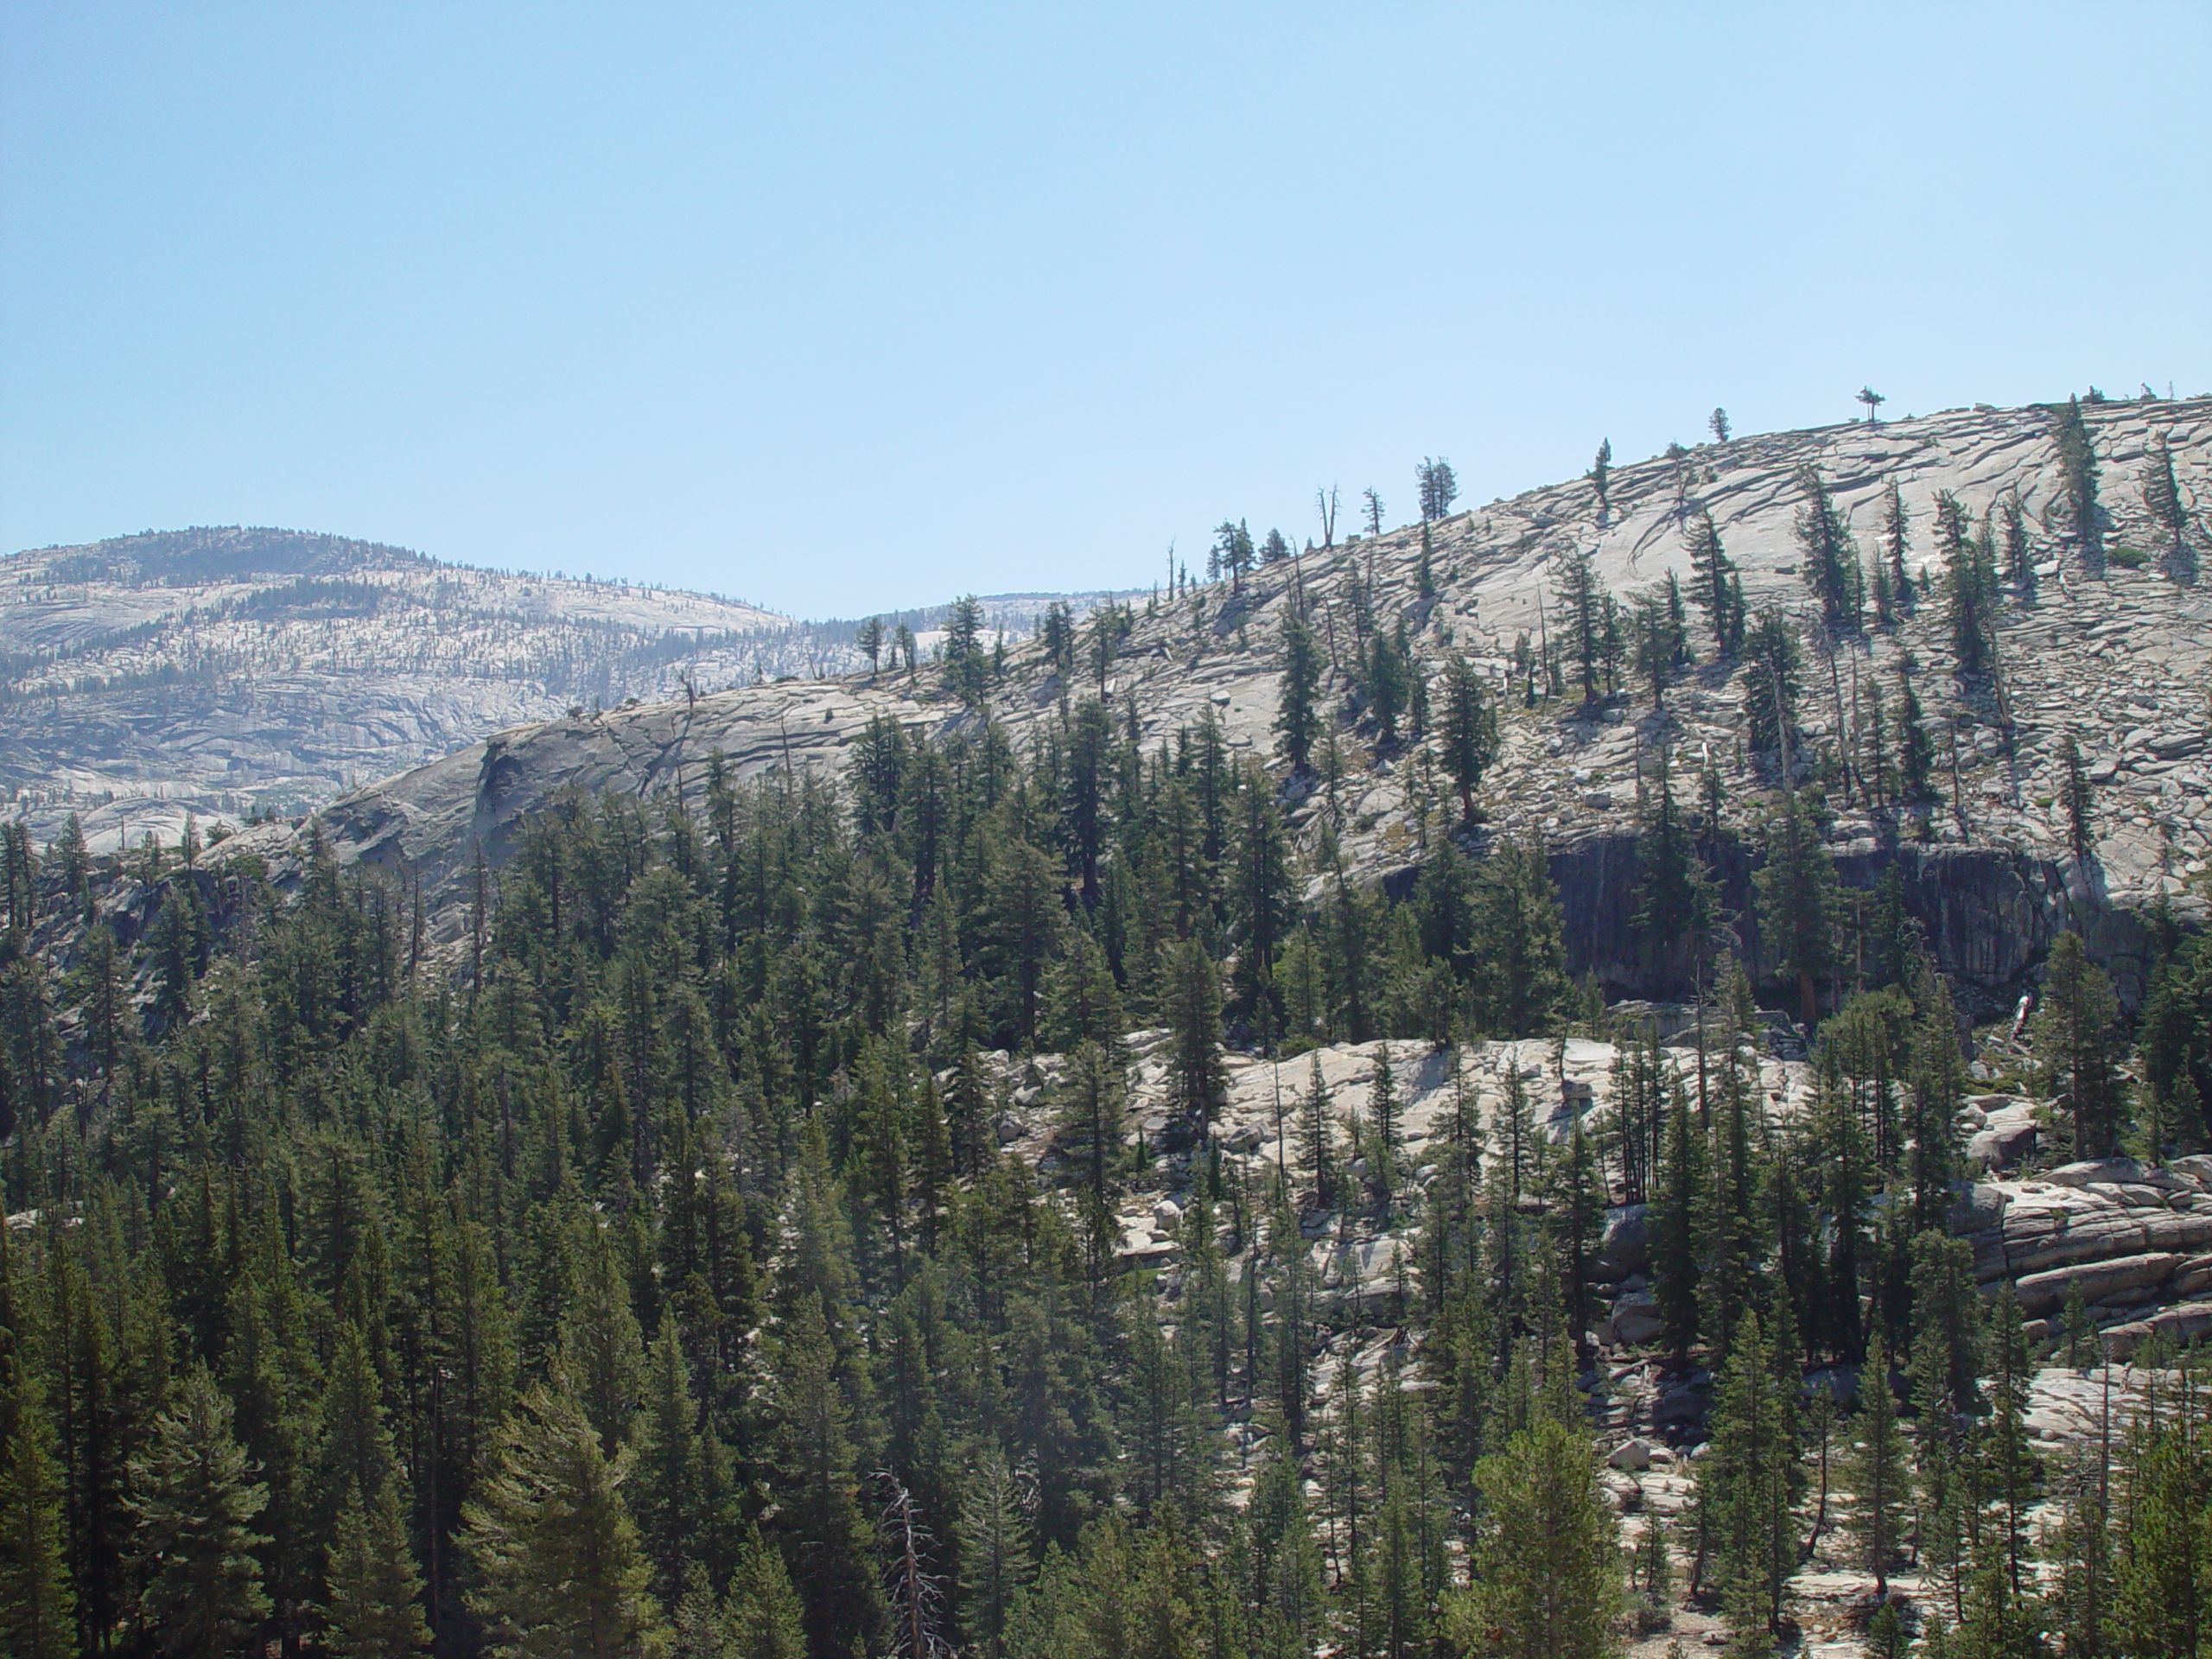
[(2114, 650)]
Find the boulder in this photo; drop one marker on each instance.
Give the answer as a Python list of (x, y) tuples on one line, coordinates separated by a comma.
[(2131, 1195), (1683, 1401), (2185, 1230), (2099, 1281), (2097, 1171), (1631, 1456), (2183, 1322), (1634, 1321), (1627, 1243), (1624, 1492), (1976, 1208), (2193, 1275), (2007, 1137), (2052, 1226)]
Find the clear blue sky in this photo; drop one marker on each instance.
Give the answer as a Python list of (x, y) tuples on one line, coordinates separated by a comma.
[(839, 308)]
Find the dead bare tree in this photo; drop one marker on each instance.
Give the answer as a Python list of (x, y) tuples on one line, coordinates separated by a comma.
[(916, 1594), (1325, 503)]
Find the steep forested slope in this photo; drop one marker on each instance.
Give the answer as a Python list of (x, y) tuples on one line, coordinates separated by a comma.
[(1055, 1179)]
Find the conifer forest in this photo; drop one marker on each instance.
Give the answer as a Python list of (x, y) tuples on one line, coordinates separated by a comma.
[(1061, 1184)]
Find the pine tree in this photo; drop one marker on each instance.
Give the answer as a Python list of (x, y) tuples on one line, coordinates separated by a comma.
[(2162, 1600), (1521, 977), (1881, 1487), (1318, 1136), (1749, 1477), (1948, 1333), (1383, 1127), (1194, 1012), (765, 1614), (1653, 1574), (2008, 1475), (560, 1569), (1655, 627), (2081, 817), (1576, 1218), (2077, 467), (193, 1501), (1546, 1568), (1296, 723), (1233, 551), (1601, 473), (826, 1533), (699, 1628), (1729, 1245), (994, 1540), (2019, 555), (1262, 899), (1773, 664), (1798, 902), (967, 667), (2080, 1602), (1830, 559), (1468, 735), (1582, 593), (1712, 585), (1674, 1218), (1093, 1101), (373, 1609), (1916, 749), (1937, 1080), (357, 1460), (1837, 1147), (2162, 497), (1284, 1587), (2075, 1041), (1969, 587), (1389, 681), (38, 1601), (1996, 1621), (1440, 488), (1897, 543), (602, 1351), (680, 1478), (1674, 891)]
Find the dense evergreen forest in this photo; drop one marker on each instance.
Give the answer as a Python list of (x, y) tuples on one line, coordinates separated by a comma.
[(646, 1274)]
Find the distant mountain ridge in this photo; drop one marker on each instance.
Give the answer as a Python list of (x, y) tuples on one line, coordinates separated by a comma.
[(233, 671), (207, 553)]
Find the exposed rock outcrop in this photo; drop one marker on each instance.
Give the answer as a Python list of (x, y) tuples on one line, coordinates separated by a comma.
[(2112, 656)]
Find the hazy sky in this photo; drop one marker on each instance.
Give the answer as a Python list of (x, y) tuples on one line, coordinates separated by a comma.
[(838, 307)]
